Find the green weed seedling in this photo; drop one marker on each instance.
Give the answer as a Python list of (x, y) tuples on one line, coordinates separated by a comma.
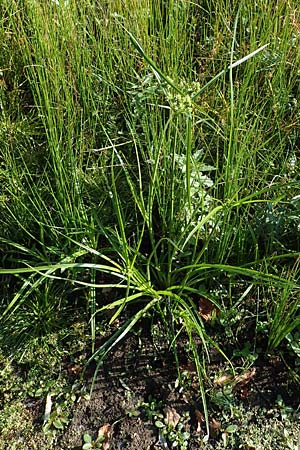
[(102, 440), (57, 421), (153, 408), (172, 427), (175, 433), (89, 443)]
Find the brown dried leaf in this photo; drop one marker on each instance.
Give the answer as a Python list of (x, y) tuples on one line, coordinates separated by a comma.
[(244, 378), (206, 308), (239, 380), (172, 416), (74, 369), (200, 420), (244, 392), (215, 424), (224, 379), (186, 398), (106, 432), (214, 427)]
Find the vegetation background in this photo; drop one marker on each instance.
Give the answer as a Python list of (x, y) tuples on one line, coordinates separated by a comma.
[(149, 167)]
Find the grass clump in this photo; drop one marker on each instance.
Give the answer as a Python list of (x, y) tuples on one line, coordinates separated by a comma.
[(153, 151)]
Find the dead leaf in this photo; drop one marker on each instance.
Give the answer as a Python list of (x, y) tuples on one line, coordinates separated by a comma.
[(244, 378), (104, 434), (215, 424), (74, 369), (200, 420), (224, 379), (238, 380), (244, 392), (207, 309), (241, 382), (214, 427), (172, 416), (186, 398)]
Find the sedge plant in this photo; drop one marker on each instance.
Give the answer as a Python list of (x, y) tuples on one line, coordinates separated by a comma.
[(142, 180)]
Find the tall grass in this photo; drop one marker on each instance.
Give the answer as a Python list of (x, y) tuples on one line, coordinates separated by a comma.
[(153, 145)]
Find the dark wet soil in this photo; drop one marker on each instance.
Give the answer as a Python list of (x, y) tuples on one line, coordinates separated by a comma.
[(137, 373), (131, 376)]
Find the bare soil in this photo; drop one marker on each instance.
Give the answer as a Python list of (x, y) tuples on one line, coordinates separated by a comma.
[(136, 373)]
